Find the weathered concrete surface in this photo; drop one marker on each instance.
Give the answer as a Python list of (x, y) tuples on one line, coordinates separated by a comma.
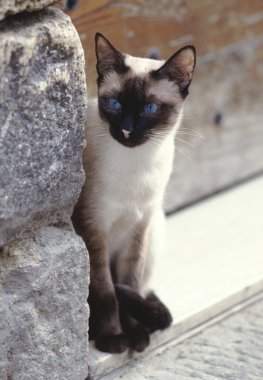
[(11, 7), (43, 311), (230, 350), (42, 111)]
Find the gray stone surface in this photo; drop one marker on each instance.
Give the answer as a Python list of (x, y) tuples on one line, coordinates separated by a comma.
[(11, 7), (231, 350), (42, 110), (43, 311), (43, 264)]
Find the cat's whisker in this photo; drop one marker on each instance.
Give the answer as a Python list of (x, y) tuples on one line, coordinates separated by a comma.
[(185, 142), (156, 140), (160, 133), (189, 130), (190, 118), (104, 134), (105, 124), (186, 131), (155, 143), (184, 153), (163, 134), (190, 134)]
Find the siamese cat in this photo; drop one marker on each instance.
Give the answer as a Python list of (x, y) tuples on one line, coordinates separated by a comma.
[(128, 160)]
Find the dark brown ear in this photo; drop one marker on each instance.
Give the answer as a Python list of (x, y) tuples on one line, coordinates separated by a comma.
[(108, 58), (179, 68)]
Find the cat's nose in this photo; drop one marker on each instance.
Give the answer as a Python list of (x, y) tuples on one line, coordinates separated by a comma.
[(127, 127), (126, 133)]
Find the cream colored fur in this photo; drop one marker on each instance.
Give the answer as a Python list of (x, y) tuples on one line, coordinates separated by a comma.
[(125, 186)]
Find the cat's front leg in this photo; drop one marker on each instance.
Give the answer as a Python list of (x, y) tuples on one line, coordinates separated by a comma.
[(139, 315), (104, 323), (129, 267)]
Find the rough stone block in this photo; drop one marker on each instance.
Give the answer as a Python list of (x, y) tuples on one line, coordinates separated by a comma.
[(11, 7), (43, 263), (42, 111), (43, 310)]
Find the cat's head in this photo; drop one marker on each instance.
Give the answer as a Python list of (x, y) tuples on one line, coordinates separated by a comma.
[(140, 98)]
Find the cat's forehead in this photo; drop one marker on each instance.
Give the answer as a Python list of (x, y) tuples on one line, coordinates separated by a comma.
[(142, 66), (137, 67), (136, 81)]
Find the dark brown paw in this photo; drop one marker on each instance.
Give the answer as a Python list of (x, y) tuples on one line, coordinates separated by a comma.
[(156, 316), (138, 338), (114, 344), (149, 312), (159, 318)]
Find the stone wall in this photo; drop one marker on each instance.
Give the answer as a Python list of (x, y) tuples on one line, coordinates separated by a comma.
[(43, 263), (12, 7)]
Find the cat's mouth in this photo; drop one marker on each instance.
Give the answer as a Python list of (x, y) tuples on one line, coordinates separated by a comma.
[(130, 140)]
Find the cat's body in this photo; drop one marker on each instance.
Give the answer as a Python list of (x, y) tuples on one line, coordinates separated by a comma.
[(128, 161), (127, 187)]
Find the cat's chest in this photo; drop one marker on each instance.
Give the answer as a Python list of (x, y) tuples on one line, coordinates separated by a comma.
[(131, 187), (127, 197), (133, 179)]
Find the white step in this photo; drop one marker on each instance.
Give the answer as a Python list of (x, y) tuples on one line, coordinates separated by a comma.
[(213, 262), (230, 349)]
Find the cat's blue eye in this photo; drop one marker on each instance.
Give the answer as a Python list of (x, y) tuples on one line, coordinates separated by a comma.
[(113, 104), (151, 108)]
